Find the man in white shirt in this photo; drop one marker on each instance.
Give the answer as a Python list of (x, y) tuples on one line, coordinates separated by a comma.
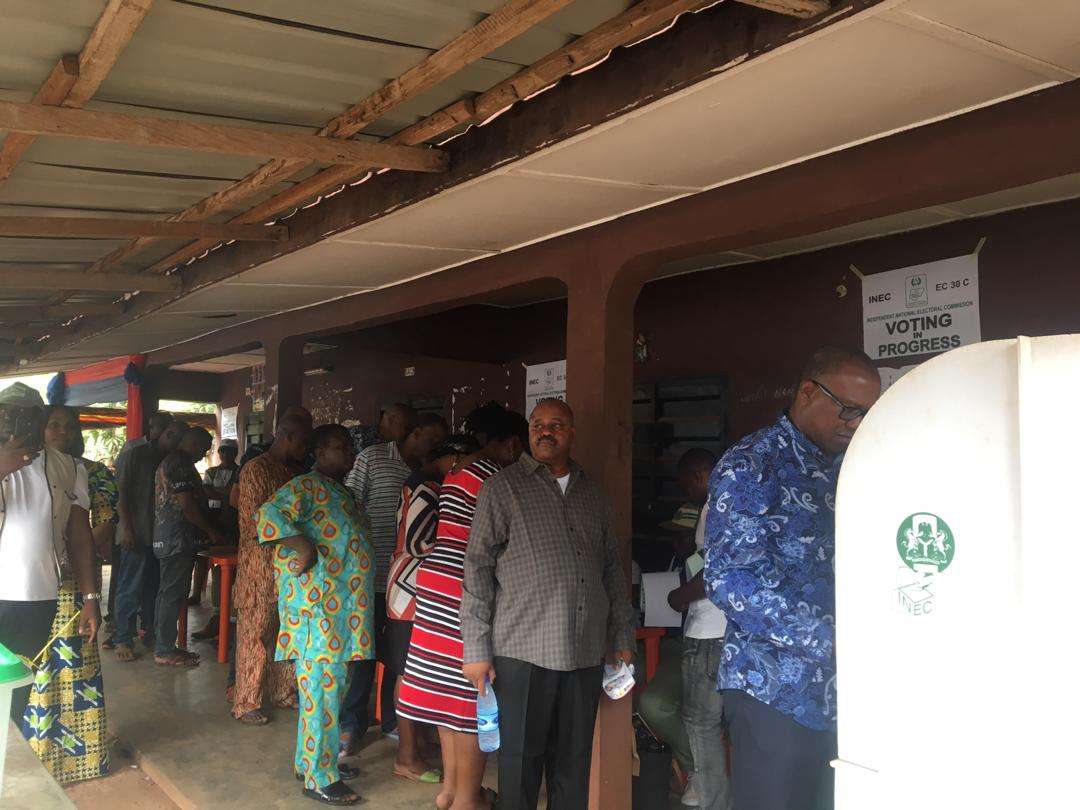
[(703, 645), (44, 528)]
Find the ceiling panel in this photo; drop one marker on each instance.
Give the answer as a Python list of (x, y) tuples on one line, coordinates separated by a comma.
[(251, 298), (505, 210), (1060, 188), (798, 103), (354, 264), (1045, 29)]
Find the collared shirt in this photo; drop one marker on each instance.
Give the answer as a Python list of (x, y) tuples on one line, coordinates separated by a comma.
[(326, 613), (259, 479), (376, 480), (769, 541), (543, 578), (135, 480), (174, 533)]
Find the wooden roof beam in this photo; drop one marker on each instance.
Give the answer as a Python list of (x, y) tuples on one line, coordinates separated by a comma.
[(633, 24), (792, 8), (502, 25), (75, 79), (180, 134), (20, 278), (101, 227)]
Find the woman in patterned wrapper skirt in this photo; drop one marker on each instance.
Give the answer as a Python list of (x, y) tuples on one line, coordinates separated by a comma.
[(433, 688), (65, 716)]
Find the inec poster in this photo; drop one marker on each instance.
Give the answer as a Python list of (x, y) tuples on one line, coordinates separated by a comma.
[(544, 381), (922, 309)]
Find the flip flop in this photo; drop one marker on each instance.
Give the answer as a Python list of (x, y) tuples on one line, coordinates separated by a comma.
[(176, 660), (253, 718), (432, 776), (124, 653), (338, 793)]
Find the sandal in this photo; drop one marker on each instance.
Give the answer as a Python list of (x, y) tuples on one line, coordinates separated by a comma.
[(337, 793), (124, 653), (176, 659), (432, 776), (292, 703), (253, 718)]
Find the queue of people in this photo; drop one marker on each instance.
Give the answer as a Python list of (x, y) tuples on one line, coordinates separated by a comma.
[(484, 560)]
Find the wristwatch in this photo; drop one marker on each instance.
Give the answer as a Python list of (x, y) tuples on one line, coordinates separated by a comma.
[(91, 597)]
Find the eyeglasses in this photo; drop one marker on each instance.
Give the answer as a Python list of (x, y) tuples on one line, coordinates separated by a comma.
[(848, 413)]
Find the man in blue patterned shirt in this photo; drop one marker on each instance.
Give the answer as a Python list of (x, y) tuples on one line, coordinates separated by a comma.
[(769, 538)]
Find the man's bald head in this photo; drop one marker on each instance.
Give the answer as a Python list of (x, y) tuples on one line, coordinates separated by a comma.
[(551, 405)]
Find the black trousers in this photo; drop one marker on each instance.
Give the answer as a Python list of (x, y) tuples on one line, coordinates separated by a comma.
[(546, 721), (353, 714), (776, 764), (24, 629)]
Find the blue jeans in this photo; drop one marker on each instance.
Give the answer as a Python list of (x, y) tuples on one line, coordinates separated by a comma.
[(136, 582), (703, 714)]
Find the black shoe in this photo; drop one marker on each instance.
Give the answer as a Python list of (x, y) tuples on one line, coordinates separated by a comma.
[(344, 771), (337, 793)]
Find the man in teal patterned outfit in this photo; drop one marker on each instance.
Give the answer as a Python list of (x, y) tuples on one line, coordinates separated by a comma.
[(324, 569)]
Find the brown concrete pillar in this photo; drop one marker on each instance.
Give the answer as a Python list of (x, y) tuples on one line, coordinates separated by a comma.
[(284, 378), (600, 385)]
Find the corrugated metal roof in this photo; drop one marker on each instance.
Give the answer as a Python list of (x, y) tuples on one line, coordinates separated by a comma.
[(272, 64)]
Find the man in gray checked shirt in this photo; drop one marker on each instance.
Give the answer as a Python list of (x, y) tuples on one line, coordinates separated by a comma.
[(544, 600)]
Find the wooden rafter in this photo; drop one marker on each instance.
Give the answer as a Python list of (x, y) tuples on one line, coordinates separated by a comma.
[(634, 23), (180, 134), (792, 8), (94, 227), (502, 25), (36, 279), (75, 79)]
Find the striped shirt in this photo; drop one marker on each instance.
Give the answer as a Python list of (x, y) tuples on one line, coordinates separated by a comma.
[(375, 481)]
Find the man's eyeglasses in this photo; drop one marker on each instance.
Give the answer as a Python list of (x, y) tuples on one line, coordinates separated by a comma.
[(848, 413)]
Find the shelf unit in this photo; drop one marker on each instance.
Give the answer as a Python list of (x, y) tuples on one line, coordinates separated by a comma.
[(670, 417)]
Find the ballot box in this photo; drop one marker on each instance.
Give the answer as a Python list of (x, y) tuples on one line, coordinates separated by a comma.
[(957, 564)]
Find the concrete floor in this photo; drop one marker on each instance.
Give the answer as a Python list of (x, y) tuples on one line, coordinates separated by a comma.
[(177, 724), (127, 786)]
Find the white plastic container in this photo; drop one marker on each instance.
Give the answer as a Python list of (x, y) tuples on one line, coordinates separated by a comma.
[(13, 674), (956, 563)]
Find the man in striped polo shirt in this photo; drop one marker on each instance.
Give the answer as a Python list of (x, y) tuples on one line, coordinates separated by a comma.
[(376, 480)]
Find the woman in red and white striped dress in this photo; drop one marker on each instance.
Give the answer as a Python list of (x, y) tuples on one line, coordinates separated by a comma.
[(433, 688)]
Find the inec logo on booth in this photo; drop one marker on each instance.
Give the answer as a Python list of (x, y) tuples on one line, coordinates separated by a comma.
[(926, 543)]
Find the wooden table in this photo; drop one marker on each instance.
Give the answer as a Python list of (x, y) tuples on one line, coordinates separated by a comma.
[(651, 636), (224, 557)]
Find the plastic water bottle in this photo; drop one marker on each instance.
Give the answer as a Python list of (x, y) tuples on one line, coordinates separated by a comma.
[(487, 719)]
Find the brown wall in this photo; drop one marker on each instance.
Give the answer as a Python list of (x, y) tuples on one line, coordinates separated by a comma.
[(757, 322), (754, 323), (361, 380)]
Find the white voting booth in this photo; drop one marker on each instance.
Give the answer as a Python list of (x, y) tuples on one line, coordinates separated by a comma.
[(958, 585)]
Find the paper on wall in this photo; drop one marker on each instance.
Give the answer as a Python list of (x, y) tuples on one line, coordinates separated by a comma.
[(654, 593)]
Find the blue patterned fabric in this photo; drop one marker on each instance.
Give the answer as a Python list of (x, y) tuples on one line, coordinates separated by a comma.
[(769, 539)]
